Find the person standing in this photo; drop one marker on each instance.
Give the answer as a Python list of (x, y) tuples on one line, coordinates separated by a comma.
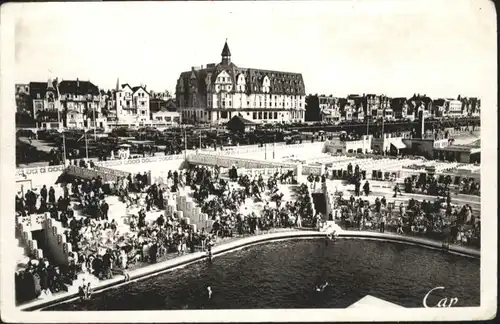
[(104, 210), (366, 188), (43, 193), (299, 221), (382, 223), (52, 195)]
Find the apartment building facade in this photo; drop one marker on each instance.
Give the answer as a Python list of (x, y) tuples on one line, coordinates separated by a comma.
[(218, 92)]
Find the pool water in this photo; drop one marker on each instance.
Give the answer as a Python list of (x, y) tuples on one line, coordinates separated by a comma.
[(284, 274)]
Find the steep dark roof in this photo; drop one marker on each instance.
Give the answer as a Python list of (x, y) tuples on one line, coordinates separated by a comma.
[(225, 50), (397, 103), (439, 102), (78, 87), (125, 85), (171, 106), (286, 83), (38, 88), (134, 89)]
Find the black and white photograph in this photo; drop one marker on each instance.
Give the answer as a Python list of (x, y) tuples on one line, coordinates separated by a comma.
[(248, 161)]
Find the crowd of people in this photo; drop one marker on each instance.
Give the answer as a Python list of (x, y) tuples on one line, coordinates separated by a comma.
[(438, 219), (39, 278), (103, 246), (440, 185), (224, 202)]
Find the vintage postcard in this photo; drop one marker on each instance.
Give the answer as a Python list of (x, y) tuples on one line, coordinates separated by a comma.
[(298, 161)]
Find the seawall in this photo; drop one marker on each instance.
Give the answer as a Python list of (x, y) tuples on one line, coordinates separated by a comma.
[(182, 261)]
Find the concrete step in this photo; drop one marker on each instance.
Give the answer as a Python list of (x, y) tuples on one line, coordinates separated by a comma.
[(21, 256)]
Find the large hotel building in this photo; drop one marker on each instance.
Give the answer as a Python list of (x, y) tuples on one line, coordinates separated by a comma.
[(218, 92)]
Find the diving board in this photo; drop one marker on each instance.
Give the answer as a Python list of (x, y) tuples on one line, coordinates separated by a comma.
[(373, 302)]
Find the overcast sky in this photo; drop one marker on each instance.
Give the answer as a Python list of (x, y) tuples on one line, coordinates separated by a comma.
[(393, 47)]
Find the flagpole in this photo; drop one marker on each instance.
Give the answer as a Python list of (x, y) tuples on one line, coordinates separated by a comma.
[(383, 138), (95, 131)]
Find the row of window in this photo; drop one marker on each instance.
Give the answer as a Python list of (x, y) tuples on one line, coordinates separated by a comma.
[(167, 118), (264, 98), (128, 103), (140, 94), (258, 104)]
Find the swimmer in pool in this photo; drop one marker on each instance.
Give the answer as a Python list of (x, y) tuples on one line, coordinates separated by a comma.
[(322, 287), (332, 235)]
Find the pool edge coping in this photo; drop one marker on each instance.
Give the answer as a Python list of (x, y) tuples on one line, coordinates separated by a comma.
[(182, 261)]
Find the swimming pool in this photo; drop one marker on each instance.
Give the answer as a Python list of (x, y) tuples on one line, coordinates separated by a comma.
[(284, 274)]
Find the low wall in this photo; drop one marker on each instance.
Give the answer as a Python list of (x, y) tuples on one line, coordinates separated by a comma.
[(266, 172), (94, 173), (313, 169), (168, 265), (238, 150), (49, 174), (229, 161), (117, 173), (31, 222), (159, 166), (44, 175)]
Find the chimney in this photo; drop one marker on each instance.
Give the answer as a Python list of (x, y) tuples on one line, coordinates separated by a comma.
[(77, 82)]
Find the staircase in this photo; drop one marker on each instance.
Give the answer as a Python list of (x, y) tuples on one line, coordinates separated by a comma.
[(21, 256), (39, 237)]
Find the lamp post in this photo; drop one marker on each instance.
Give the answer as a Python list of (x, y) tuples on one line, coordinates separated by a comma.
[(185, 144), (86, 145), (367, 123), (383, 137), (64, 147), (274, 145), (95, 131)]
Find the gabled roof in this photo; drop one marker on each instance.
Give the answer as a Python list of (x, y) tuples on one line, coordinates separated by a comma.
[(135, 89), (280, 82), (125, 85), (78, 87)]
